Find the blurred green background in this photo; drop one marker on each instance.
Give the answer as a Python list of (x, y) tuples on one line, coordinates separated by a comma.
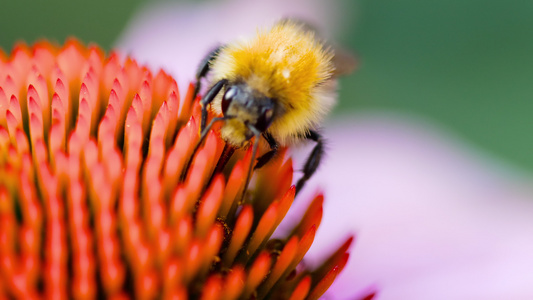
[(464, 64)]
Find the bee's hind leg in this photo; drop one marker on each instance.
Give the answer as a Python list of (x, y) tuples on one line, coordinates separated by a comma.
[(313, 160), (265, 158)]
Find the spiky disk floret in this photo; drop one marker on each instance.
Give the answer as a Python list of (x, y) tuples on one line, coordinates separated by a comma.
[(288, 64), (93, 204)]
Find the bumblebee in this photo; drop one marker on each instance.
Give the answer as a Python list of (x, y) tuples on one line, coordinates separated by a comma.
[(278, 86)]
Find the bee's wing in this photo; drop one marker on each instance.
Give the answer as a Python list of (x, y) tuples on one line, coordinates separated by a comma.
[(345, 62)]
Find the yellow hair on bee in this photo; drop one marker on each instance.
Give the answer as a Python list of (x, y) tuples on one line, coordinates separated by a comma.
[(287, 64)]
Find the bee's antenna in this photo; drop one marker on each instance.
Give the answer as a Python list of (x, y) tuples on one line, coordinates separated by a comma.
[(197, 146), (257, 136)]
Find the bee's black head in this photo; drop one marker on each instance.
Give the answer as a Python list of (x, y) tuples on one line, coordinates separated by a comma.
[(249, 106)]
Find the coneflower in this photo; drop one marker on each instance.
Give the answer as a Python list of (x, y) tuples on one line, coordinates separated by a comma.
[(95, 201)]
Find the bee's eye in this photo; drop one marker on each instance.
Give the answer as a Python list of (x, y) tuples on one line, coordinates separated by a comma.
[(228, 97), (264, 120)]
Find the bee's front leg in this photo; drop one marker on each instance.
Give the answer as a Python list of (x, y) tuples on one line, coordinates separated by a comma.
[(204, 68), (208, 98), (265, 158)]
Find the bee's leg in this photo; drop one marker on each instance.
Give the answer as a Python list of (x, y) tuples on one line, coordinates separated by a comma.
[(198, 143), (265, 158), (204, 68), (257, 136), (224, 158), (208, 98), (313, 160)]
